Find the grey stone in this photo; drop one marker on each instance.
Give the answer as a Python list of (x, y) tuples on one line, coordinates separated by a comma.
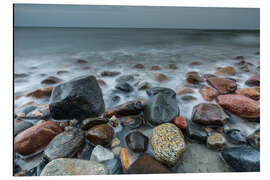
[(101, 154), (21, 126)]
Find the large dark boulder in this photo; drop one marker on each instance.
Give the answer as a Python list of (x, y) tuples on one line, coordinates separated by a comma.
[(160, 108), (79, 98), (242, 159)]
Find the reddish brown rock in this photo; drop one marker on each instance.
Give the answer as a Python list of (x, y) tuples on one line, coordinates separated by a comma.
[(253, 80), (194, 77), (160, 77), (101, 82), (208, 93), (180, 122), (249, 92), (36, 137), (185, 90), (41, 93), (138, 66), (100, 134), (226, 71), (240, 105), (223, 86), (154, 68)]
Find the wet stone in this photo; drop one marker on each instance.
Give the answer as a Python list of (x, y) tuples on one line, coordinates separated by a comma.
[(125, 78), (114, 121), (249, 92), (110, 73), (160, 77), (21, 126), (115, 142), (116, 150), (188, 98), (185, 90), (114, 166), (161, 90), (124, 87), (51, 80), (154, 68), (126, 159), (242, 159), (254, 80), (41, 111), (136, 141), (61, 72), (208, 93), (20, 75), (144, 86), (81, 61), (134, 122), (86, 152), (41, 93), (235, 136), (226, 71), (138, 66), (180, 122), (100, 134), (196, 132), (73, 122), (222, 85), (66, 144), (194, 77), (254, 139), (216, 141), (172, 66), (101, 154)]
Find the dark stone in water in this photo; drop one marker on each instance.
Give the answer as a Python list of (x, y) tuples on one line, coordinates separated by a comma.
[(124, 86), (134, 122), (115, 99), (128, 109), (20, 75), (253, 80), (188, 98), (114, 166), (209, 114), (196, 132), (254, 139), (21, 126), (137, 141), (194, 77), (90, 122), (160, 109), (125, 78), (79, 98), (61, 72), (100, 134), (41, 166), (51, 80), (81, 61), (242, 159), (66, 144), (162, 90), (110, 73), (86, 152), (235, 136), (146, 164)]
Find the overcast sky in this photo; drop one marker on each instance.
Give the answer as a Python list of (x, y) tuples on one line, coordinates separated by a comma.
[(136, 17)]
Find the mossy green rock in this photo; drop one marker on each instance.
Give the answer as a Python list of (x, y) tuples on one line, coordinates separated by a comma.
[(168, 143)]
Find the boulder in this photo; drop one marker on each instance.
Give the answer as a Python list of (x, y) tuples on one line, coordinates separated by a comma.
[(67, 167), (146, 164), (65, 144), (208, 93), (100, 134), (79, 98), (136, 141), (223, 86), (209, 114), (240, 105), (242, 159), (36, 137), (168, 143), (160, 109)]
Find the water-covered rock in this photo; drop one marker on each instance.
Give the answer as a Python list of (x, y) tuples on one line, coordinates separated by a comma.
[(138, 66), (67, 166), (124, 87), (125, 78), (226, 71), (222, 85), (168, 143), (81, 61), (161, 90), (41, 93), (240, 105), (36, 137), (254, 80), (242, 159), (235, 136), (208, 93), (101, 154), (51, 80), (134, 122), (249, 92), (184, 90), (90, 122), (160, 77), (21, 126), (129, 108), (216, 141), (110, 73), (154, 68), (66, 144), (160, 109), (144, 85), (196, 132), (172, 66), (146, 164), (194, 77), (254, 139), (209, 114), (100, 134), (136, 141), (79, 98)]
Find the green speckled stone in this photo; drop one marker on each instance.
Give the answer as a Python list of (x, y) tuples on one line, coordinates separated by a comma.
[(67, 166), (168, 143)]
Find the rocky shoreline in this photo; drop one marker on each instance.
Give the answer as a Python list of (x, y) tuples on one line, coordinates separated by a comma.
[(74, 132)]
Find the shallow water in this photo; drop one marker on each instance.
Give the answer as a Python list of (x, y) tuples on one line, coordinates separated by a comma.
[(42, 52)]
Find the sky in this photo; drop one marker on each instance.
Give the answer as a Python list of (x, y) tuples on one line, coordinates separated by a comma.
[(47, 15)]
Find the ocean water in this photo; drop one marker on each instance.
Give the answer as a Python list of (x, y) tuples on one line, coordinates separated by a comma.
[(42, 52)]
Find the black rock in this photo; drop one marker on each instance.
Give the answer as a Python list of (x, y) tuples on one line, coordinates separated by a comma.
[(254, 139), (110, 73), (242, 159), (137, 141), (66, 144), (235, 136), (90, 122), (86, 151), (134, 122), (196, 132), (21, 126), (79, 98), (124, 86), (114, 166), (51, 80), (125, 78), (156, 90), (160, 109)]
